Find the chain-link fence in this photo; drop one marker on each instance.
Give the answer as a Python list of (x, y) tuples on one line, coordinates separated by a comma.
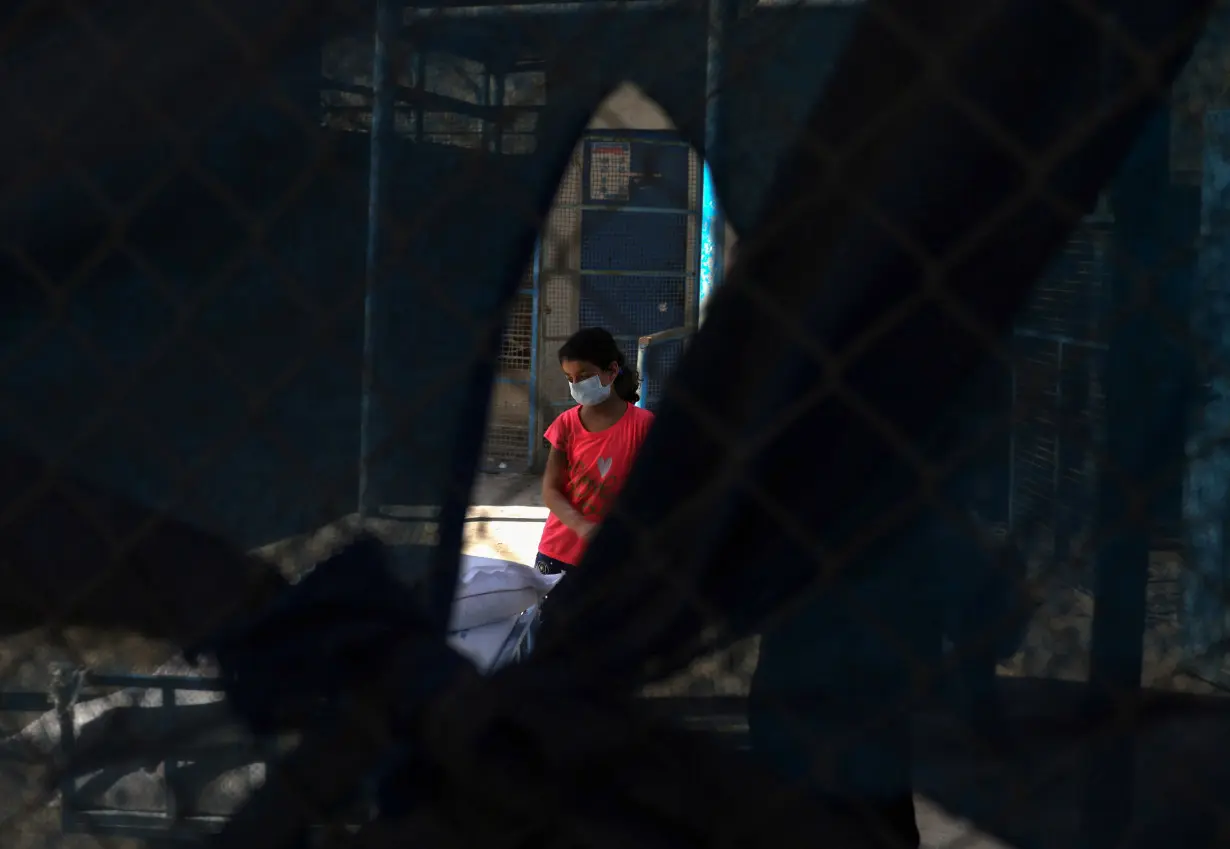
[(930, 526)]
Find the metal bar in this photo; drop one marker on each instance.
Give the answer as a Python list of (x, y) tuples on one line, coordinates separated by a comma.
[(609, 272), (652, 210), (536, 276), (1012, 452), (712, 243), (654, 137), (696, 196), (641, 347), (147, 826), (381, 135), (497, 101), (1058, 543), (498, 10), (1138, 359), (152, 682), (541, 9), (1206, 485), (1059, 338), (484, 100), (420, 79), (713, 224), (644, 343), (68, 745), (427, 101), (511, 381), (672, 335), (511, 652), (170, 766)]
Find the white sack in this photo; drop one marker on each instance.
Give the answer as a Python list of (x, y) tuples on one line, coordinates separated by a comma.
[(490, 592)]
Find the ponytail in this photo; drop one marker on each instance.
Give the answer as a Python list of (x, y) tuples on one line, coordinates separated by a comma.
[(627, 382)]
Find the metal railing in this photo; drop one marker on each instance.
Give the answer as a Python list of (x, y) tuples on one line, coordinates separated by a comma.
[(644, 343)]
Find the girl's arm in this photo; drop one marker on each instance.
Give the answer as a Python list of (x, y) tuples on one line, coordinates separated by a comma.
[(553, 496)]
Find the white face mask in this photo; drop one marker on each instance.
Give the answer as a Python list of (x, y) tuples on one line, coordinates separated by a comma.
[(590, 391)]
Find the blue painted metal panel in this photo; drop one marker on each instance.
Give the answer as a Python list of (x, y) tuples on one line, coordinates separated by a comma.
[(1207, 488), (631, 307), (636, 212), (633, 241)]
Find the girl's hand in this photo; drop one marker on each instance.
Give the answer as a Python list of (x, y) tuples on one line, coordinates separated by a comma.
[(587, 530)]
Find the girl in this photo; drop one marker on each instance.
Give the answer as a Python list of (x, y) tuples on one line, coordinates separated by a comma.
[(592, 446)]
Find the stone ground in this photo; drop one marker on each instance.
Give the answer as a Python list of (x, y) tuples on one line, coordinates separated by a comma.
[(507, 525)]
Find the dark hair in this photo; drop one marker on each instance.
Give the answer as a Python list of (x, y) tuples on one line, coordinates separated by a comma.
[(595, 345)]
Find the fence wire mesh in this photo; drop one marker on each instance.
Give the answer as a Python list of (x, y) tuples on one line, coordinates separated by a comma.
[(927, 545)]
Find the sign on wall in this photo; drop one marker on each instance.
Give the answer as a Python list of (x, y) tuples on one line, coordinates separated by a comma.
[(610, 170)]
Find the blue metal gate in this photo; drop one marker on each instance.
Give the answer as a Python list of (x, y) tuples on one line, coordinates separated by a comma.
[(1206, 517), (639, 236)]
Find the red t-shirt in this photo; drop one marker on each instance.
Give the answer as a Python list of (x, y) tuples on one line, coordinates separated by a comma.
[(597, 466)]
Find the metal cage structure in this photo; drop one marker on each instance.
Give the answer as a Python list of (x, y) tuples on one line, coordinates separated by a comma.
[(632, 243), (622, 250)]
